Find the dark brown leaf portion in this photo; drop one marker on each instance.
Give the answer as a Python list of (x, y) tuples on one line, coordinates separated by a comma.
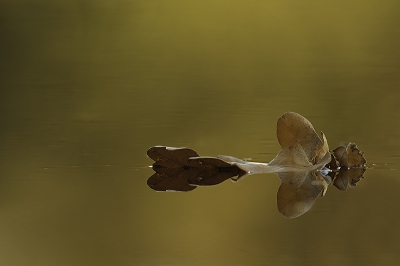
[(333, 164), (207, 162), (340, 154), (170, 157), (181, 169), (355, 156), (299, 163)]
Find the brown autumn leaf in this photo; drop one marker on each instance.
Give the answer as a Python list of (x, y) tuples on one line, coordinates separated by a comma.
[(340, 154), (302, 152), (300, 144), (170, 157), (296, 132), (350, 166), (349, 156), (333, 164), (207, 162), (301, 148), (215, 171), (355, 157), (214, 176), (177, 170)]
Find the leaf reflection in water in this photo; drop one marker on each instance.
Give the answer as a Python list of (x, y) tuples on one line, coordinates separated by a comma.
[(304, 164)]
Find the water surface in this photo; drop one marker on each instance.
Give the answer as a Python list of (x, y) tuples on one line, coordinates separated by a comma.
[(88, 87)]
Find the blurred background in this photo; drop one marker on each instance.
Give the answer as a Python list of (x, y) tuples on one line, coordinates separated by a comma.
[(88, 86)]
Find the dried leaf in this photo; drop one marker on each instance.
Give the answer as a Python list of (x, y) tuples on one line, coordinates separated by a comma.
[(300, 144), (333, 164), (298, 164), (340, 154), (214, 176), (294, 129), (170, 157), (207, 162), (177, 170), (355, 157)]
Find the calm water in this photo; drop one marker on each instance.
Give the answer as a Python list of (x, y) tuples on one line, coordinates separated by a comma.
[(88, 86)]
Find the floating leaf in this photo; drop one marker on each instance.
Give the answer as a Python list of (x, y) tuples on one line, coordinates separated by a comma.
[(294, 129), (215, 171), (349, 156), (355, 158), (170, 157), (177, 170), (207, 162), (333, 164), (340, 154), (301, 150), (300, 164), (300, 144)]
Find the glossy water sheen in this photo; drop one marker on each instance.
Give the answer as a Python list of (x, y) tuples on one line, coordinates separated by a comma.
[(88, 86)]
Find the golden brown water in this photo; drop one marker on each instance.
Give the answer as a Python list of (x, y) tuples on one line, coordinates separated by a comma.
[(88, 86)]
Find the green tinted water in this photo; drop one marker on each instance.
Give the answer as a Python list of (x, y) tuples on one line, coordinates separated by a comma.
[(87, 87)]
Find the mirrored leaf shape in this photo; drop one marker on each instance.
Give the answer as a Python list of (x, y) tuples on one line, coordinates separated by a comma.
[(170, 157), (214, 176), (348, 177), (187, 172), (298, 192), (351, 163), (215, 171), (172, 179), (300, 164)]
